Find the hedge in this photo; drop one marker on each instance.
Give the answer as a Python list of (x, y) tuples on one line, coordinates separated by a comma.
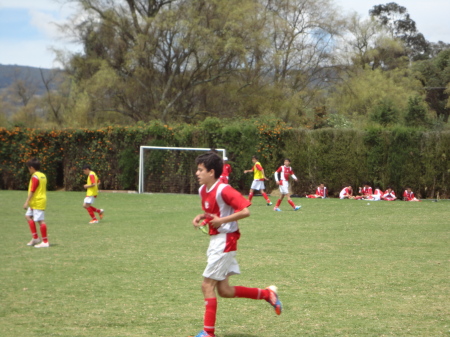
[(397, 157)]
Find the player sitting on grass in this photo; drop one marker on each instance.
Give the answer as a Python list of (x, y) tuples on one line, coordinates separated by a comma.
[(321, 192), (36, 203), (91, 187), (285, 172), (223, 206)]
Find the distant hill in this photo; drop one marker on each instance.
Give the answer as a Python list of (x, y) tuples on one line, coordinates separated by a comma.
[(11, 73)]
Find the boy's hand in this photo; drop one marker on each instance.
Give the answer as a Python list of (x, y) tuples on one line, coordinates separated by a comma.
[(215, 221)]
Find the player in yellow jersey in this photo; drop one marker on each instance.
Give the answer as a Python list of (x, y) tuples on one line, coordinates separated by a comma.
[(91, 187), (36, 203), (258, 180)]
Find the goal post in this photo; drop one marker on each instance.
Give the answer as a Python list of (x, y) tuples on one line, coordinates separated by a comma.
[(168, 169)]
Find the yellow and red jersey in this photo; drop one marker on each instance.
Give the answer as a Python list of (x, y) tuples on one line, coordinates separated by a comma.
[(38, 185), (92, 179)]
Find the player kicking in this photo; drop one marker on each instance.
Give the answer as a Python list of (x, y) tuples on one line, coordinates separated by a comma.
[(91, 187), (285, 172), (223, 206), (36, 203)]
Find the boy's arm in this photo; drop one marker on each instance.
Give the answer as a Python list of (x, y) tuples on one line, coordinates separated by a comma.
[(216, 222), (34, 186)]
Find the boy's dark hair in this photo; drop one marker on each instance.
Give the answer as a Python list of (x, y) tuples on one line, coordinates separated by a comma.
[(34, 163), (255, 157), (86, 166), (211, 161), (287, 159)]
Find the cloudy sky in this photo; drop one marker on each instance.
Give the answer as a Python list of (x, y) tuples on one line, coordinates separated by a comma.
[(28, 28)]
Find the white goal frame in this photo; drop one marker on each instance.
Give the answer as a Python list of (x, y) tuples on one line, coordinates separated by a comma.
[(142, 149)]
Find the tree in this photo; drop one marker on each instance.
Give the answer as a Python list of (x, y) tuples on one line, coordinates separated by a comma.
[(417, 114), (434, 75), (397, 19)]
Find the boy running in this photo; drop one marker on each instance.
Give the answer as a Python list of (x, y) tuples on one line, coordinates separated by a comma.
[(258, 180), (92, 191), (36, 203), (223, 206), (285, 172)]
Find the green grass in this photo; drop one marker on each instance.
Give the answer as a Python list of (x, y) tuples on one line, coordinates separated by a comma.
[(343, 268)]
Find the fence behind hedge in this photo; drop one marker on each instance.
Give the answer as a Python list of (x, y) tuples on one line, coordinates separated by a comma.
[(399, 158)]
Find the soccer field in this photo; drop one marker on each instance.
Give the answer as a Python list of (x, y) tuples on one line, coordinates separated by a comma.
[(343, 268)]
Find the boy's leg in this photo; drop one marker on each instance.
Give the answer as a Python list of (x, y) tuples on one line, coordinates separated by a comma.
[(35, 238), (250, 195), (209, 293), (266, 197), (277, 205), (269, 294), (90, 210), (43, 228)]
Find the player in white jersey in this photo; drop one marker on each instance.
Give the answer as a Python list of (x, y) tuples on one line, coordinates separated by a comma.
[(285, 172), (223, 206)]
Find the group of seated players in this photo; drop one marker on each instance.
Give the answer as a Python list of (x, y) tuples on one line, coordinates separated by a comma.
[(364, 193)]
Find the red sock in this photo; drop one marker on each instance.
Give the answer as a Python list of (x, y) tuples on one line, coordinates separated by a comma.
[(250, 196), (253, 293), (291, 203), (33, 229), (209, 320), (44, 232), (91, 213), (266, 197), (278, 203), (95, 209)]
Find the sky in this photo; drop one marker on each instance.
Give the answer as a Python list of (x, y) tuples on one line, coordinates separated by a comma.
[(28, 28)]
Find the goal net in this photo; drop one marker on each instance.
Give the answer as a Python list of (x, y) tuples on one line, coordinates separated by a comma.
[(169, 169)]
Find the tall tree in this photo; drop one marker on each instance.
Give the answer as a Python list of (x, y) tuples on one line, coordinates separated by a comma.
[(397, 19)]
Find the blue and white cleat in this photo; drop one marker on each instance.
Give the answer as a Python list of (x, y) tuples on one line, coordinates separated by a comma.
[(273, 300), (296, 208), (276, 209)]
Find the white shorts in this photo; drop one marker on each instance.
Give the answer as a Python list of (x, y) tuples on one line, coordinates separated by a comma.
[(36, 214), (284, 189), (89, 200), (220, 264), (258, 185)]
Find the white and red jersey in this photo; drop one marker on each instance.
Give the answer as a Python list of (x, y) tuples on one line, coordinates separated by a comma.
[(378, 192), (226, 170), (345, 192), (285, 172), (222, 200), (366, 190), (408, 195), (389, 195), (322, 192)]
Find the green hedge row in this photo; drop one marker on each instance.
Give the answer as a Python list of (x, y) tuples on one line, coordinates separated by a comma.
[(399, 157)]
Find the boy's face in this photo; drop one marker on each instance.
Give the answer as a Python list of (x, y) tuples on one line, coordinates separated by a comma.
[(204, 176), (287, 163), (86, 171), (254, 160)]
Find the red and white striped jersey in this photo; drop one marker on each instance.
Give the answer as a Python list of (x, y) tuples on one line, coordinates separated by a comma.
[(366, 190), (285, 172), (222, 200), (408, 195), (321, 191)]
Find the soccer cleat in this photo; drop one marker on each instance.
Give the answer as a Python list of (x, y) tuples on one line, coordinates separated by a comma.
[(43, 245), (296, 208), (33, 242), (269, 203), (101, 214), (276, 209), (274, 300), (203, 333), (93, 221)]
